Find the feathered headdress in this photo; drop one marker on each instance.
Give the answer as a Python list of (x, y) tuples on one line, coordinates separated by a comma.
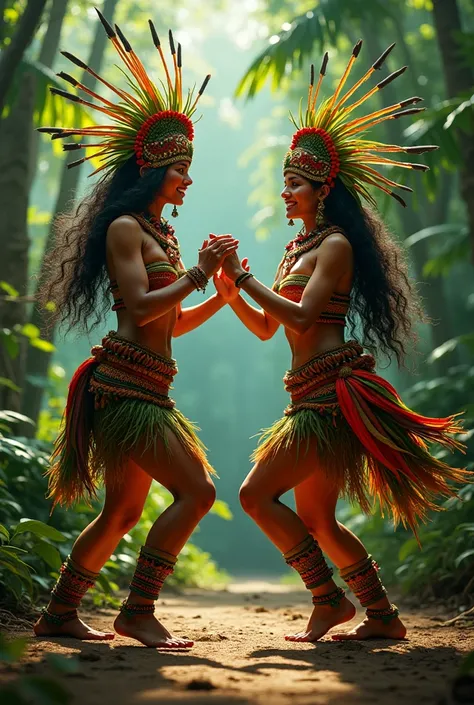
[(328, 143), (152, 123)]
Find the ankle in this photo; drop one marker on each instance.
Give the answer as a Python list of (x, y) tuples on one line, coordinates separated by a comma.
[(385, 615), (57, 619), (132, 610)]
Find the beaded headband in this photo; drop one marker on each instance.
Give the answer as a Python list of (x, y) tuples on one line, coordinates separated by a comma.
[(152, 123), (327, 144)]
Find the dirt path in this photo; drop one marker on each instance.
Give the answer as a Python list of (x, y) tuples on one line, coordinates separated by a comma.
[(240, 657)]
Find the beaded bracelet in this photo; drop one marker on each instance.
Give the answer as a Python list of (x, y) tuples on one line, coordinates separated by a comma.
[(242, 277), (198, 278)]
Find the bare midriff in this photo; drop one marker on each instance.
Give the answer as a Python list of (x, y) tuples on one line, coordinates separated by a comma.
[(321, 336)]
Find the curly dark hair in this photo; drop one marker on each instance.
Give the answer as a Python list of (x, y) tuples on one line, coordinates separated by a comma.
[(76, 280), (383, 300)]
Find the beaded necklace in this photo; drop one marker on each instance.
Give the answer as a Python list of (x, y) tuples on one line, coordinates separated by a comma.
[(304, 242), (163, 233)]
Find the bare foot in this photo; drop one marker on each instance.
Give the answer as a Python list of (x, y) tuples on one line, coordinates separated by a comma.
[(146, 629), (323, 618), (75, 628), (374, 629)]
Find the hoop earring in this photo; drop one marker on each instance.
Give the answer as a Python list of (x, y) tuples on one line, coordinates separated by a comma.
[(291, 222), (320, 213), (174, 212)]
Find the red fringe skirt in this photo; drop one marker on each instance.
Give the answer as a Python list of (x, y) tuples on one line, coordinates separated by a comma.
[(372, 445)]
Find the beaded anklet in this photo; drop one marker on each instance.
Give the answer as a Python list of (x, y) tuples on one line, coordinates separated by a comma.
[(58, 619), (385, 615), (331, 598), (308, 560), (131, 609)]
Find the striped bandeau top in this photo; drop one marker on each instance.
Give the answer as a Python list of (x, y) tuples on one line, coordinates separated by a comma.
[(292, 286), (160, 274)]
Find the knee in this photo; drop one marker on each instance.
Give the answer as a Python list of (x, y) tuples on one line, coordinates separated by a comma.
[(251, 498), (202, 498)]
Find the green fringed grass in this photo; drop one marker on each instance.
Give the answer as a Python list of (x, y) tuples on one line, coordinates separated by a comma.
[(337, 450), (122, 427)]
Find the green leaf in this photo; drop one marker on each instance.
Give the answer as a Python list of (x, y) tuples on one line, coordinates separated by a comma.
[(4, 532), (11, 291), (30, 331), (39, 528), (41, 344), (463, 556), (5, 382), (222, 510), (49, 554), (14, 417), (408, 548)]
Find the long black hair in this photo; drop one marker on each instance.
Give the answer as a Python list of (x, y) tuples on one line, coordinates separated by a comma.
[(77, 279), (383, 299)]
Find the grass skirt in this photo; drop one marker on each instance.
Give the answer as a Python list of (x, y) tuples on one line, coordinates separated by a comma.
[(117, 404), (373, 445)]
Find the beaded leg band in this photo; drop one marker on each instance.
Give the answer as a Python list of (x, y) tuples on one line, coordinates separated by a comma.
[(331, 598), (363, 580), (58, 619), (153, 567), (307, 558), (130, 609), (385, 615), (73, 583)]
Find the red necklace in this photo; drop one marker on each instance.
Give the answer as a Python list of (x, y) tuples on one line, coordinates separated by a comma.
[(304, 242), (163, 233)]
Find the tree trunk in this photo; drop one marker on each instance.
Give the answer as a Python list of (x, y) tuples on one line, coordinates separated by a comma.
[(14, 164), (48, 52), (13, 54), (37, 360), (459, 79)]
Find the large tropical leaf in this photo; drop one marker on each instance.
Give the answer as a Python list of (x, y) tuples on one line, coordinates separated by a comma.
[(322, 25), (48, 108)]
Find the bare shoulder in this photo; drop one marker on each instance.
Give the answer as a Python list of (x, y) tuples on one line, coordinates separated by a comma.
[(336, 245), (124, 233)]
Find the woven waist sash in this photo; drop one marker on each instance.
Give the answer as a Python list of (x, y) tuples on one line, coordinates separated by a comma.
[(126, 370), (313, 385)]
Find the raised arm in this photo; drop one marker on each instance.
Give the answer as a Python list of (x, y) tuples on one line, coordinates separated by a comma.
[(334, 261), (125, 239), (257, 321)]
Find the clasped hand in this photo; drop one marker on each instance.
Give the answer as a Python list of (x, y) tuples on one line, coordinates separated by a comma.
[(230, 270)]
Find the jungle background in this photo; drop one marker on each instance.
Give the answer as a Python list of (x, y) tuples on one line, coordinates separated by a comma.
[(258, 52)]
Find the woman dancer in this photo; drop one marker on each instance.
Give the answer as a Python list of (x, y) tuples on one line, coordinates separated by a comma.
[(346, 431), (120, 423)]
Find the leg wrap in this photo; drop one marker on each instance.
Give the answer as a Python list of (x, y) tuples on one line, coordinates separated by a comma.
[(363, 580), (307, 558), (73, 583), (153, 567)]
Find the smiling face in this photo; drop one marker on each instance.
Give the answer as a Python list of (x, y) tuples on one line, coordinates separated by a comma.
[(175, 183), (302, 196)]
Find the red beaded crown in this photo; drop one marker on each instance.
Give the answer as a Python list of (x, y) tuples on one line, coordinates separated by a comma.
[(152, 123), (328, 145)]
